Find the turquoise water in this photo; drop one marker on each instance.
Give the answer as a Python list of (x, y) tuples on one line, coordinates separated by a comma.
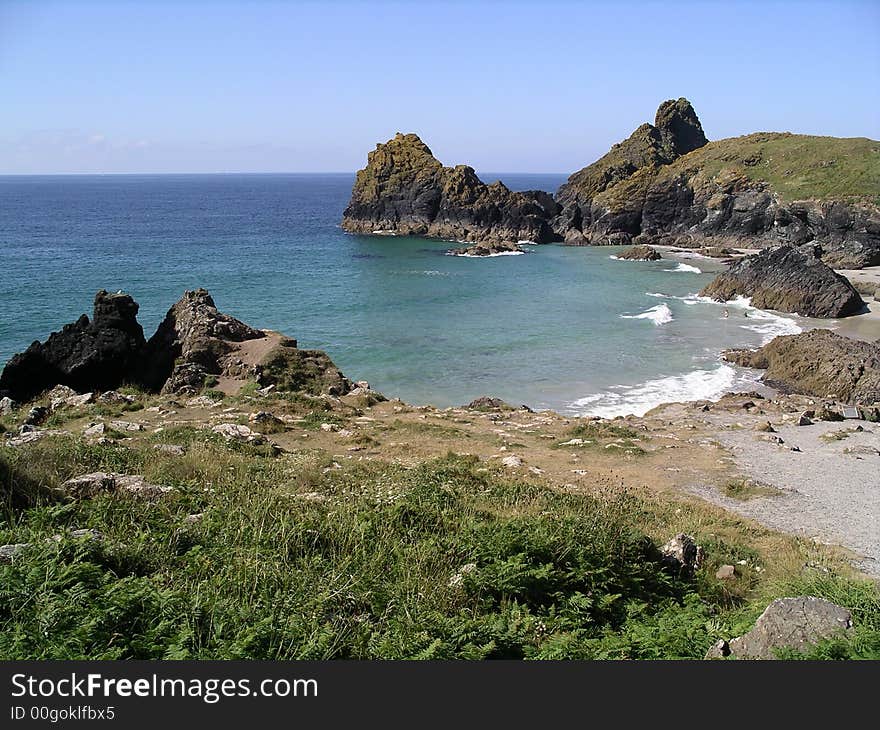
[(548, 328)]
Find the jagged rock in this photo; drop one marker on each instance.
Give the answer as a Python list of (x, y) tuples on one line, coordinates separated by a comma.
[(682, 554), (512, 461), (7, 406), (487, 249), (111, 397), (91, 485), (603, 203), (820, 363), (190, 343), (787, 623), (788, 280), (95, 354), (58, 396), (640, 253), (405, 190)]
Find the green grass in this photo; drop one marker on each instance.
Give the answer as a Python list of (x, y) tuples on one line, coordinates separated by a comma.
[(797, 167), (607, 436), (295, 560)]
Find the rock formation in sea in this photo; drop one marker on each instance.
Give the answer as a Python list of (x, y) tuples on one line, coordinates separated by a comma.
[(787, 279), (405, 190), (483, 248), (90, 354), (640, 253), (819, 363), (194, 346)]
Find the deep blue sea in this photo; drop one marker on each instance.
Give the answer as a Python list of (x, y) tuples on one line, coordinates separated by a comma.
[(561, 327)]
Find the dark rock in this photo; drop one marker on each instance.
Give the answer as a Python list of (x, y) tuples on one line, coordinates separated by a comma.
[(788, 280), (787, 623), (190, 343), (682, 554), (487, 249), (640, 253), (820, 363), (36, 416), (96, 354), (405, 190)]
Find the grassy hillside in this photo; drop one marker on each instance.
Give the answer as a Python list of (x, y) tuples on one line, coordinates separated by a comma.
[(796, 166), (297, 556)]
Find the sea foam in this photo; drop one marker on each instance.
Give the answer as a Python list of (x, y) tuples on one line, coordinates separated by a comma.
[(659, 314), (487, 256), (686, 268), (637, 400)]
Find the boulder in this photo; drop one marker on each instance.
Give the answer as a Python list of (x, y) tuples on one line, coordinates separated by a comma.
[(485, 403), (7, 406), (787, 279), (89, 354), (682, 554), (95, 483), (820, 363), (787, 623), (238, 432), (640, 253)]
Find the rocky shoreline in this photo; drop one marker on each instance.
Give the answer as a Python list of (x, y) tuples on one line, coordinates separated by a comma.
[(666, 184)]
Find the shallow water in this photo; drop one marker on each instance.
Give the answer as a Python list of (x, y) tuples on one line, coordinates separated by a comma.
[(567, 328)]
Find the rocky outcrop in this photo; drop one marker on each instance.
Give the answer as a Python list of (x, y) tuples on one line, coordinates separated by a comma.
[(603, 203), (819, 363), (191, 343), (405, 190), (640, 253), (787, 279), (194, 342), (90, 354), (499, 248), (787, 623)]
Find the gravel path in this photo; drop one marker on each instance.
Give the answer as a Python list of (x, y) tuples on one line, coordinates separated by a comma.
[(830, 488)]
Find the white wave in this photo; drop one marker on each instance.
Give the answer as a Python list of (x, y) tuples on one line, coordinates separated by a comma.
[(767, 324), (616, 258), (659, 314), (637, 400), (686, 268), (487, 256), (528, 243)]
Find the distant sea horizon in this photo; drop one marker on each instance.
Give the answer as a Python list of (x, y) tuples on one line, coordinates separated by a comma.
[(559, 327)]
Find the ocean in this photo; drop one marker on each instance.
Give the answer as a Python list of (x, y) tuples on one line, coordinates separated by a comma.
[(567, 328)]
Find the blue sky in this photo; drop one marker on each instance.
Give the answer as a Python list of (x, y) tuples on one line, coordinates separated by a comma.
[(541, 86)]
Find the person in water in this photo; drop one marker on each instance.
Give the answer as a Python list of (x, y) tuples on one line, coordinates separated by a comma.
[(726, 314)]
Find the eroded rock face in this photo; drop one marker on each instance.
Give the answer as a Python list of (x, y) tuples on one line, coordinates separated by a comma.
[(787, 623), (603, 203), (405, 190), (787, 279), (488, 249), (819, 363), (89, 354), (190, 343)]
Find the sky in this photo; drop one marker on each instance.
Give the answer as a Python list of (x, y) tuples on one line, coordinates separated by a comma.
[(189, 86)]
